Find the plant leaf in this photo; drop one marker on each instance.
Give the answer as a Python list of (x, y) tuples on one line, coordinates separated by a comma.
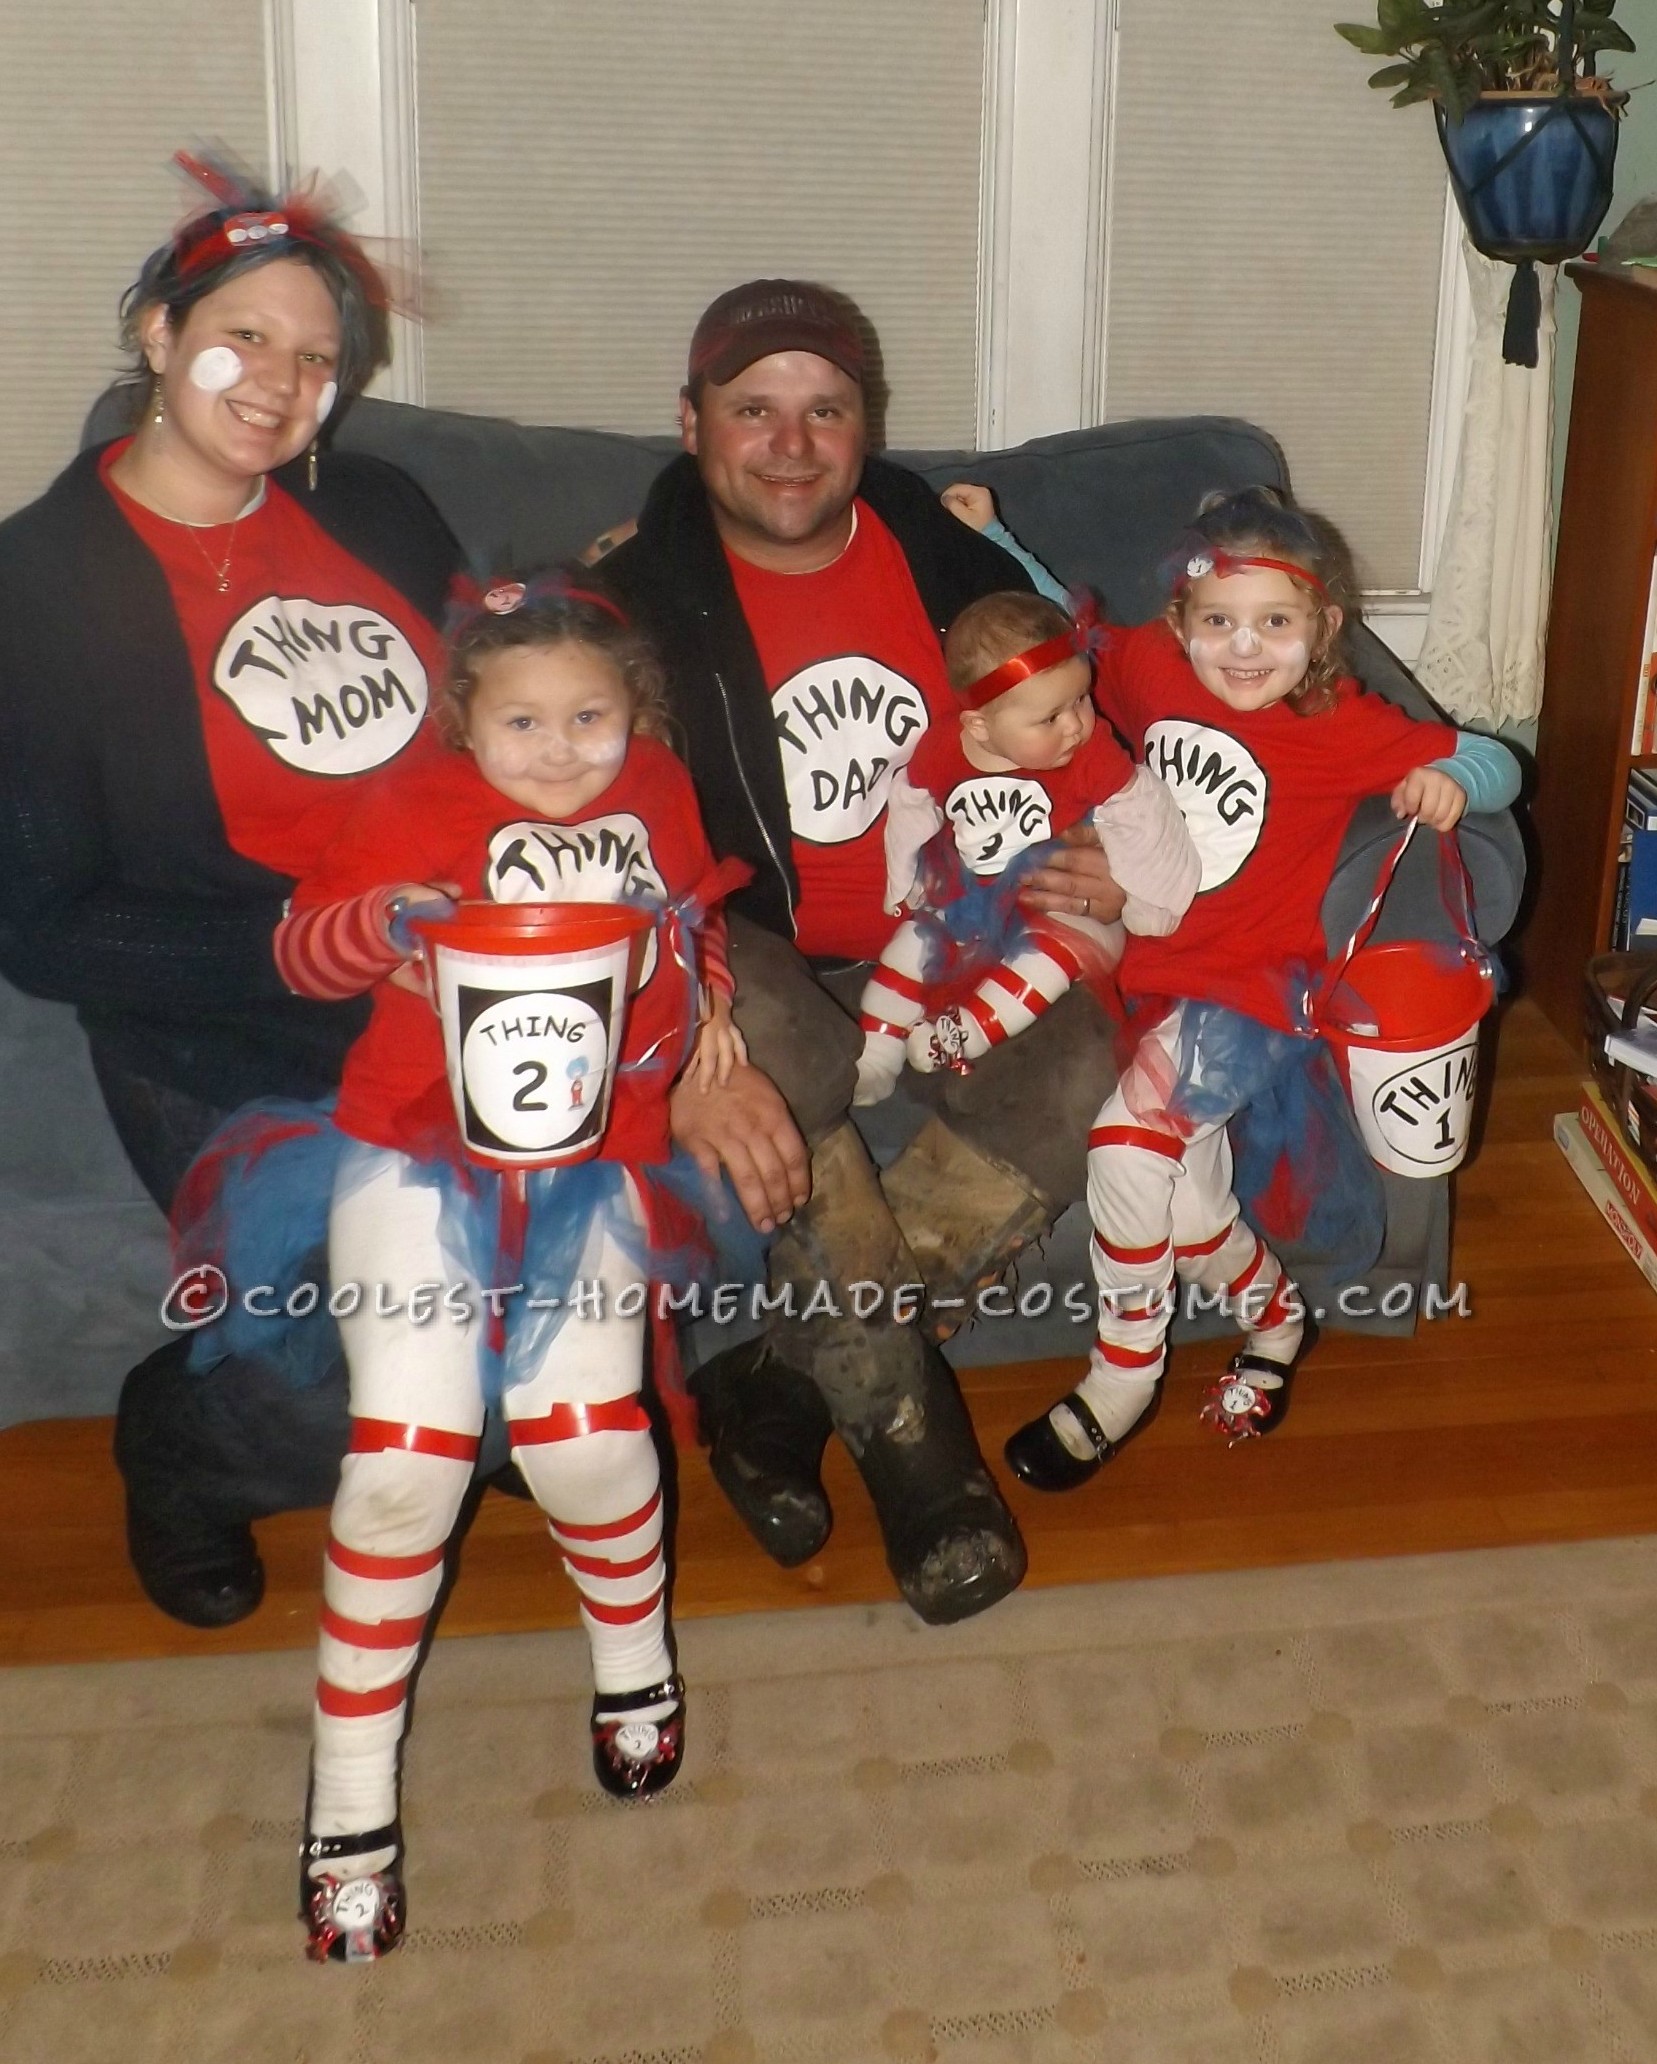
[(1370, 41), (1392, 75)]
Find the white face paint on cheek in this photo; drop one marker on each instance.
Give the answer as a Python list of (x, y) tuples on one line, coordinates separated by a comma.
[(216, 370), (325, 402)]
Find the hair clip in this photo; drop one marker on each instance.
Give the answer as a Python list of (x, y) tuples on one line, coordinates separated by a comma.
[(506, 597)]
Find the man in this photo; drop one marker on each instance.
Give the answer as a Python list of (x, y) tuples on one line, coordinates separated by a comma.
[(798, 590)]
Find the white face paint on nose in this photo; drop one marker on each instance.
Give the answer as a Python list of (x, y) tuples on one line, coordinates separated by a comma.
[(1245, 642), (216, 370)]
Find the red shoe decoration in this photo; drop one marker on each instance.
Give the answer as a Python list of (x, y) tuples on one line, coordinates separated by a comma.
[(634, 1756)]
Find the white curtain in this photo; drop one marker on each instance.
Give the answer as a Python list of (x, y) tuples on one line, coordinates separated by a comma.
[(1482, 654)]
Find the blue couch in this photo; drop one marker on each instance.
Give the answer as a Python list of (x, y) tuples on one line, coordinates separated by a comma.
[(83, 1252)]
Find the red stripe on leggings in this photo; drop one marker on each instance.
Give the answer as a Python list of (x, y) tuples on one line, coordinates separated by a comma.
[(1140, 1136), (570, 1422), (612, 1529), (901, 984), (1213, 1246), (1279, 1306), (623, 1615), (866, 1025), (340, 1704), (1034, 1000), (596, 1566), (1257, 1261), (376, 1436), (373, 1633), (1132, 1257), (982, 1014), (383, 1567), (1129, 1357), (1059, 950)]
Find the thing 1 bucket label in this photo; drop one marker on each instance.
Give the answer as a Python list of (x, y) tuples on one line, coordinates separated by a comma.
[(1416, 1110)]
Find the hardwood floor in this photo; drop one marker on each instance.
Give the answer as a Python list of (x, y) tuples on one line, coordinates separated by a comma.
[(1535, 1419)]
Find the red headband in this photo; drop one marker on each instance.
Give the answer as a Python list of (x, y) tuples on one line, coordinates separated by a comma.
[(229, 227), (1082, 640), (1225, 564)]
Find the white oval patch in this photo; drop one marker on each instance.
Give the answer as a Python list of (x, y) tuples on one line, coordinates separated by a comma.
[(1415, 1111), (332, 688), (601, 860), (215, 370), (844, 728), (1220, 787), (533, 1067), (996, 817)]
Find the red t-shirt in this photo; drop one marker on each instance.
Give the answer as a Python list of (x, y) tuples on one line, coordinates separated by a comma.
[(310, 670), (437, 819), (856, 675), (1267, 796), (995, 817)]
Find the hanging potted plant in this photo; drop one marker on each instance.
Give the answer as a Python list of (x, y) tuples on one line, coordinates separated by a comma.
[(1529, 128)]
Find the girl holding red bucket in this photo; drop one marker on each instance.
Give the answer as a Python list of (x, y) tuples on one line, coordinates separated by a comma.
[(1238, 698), (536, 1159)]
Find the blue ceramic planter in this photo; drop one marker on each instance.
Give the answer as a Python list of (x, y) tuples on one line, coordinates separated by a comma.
[(1532, 176)]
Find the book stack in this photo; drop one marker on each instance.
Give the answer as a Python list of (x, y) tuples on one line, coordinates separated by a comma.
[(1634, 912), (1623, 1190), (1643, 737)]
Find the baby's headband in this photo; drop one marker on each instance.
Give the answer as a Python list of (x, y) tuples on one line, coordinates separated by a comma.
[(468, 601), (1084, 638), (1210, 559)]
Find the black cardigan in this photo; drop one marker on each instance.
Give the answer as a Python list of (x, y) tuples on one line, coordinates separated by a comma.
[(119, 891), (674, 578)]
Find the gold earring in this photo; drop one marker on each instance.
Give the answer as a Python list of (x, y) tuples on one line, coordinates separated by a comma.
[(158, 410), (310, 467)]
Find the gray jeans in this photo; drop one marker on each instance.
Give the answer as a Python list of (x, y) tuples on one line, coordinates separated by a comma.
[(1027, 1105)]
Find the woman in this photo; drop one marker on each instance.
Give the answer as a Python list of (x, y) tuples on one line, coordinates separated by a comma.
[(211, 632)]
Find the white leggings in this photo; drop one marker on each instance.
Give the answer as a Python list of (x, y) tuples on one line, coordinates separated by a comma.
[(579, 1435), (1162, 1206)]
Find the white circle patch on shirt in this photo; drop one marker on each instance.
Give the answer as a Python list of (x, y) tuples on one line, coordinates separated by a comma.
[(844, 728), (995, 817), (600, 860), (331, 687), (1221, 790)]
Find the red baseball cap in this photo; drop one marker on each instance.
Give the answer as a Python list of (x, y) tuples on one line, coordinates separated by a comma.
[(750, 322)]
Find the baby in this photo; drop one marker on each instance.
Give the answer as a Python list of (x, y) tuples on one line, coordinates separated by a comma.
[(1027, 761)]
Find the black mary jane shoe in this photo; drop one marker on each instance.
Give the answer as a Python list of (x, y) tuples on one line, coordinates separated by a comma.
[(633, 1756), (357, 1918), (1037, 1456), (1241, 1405)]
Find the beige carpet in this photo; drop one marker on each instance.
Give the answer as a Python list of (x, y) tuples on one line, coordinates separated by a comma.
[(1366, 1814)]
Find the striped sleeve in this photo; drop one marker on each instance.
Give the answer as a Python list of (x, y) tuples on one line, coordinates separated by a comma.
[(334, 950), (716, 956)]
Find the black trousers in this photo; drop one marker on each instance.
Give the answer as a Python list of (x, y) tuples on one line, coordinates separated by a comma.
[(235, 1442)]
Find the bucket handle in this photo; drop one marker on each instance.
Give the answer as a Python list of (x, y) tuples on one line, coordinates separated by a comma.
[(1456, 885)]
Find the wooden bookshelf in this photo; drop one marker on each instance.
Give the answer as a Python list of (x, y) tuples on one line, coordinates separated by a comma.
[(1596, 634)]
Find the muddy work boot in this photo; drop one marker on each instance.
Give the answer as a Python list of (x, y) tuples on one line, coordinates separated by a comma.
[(950, 1541), (765, 1427), (965, 1217)]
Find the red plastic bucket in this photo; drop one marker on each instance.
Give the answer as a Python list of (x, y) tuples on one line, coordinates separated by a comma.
[(533, 1001), (1403, 1022)]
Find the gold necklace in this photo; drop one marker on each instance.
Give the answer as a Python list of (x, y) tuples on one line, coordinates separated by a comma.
[(220, 572)]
